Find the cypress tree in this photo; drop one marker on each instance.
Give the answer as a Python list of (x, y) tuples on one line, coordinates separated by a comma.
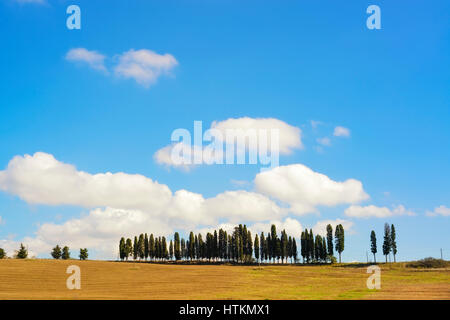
[(128, 248), (373, 245), (151, 247), (303, 245), (339, 235), (2, 253), (146, 248), (273, 237), (141, 247), (177, 248), (330, 240), (294, 249), (257, 248), (171, 250), (122, 248), (135, 248), (65, 253), (262, 244), (393, 242), (283, 246), (387, 240), (191, 247)]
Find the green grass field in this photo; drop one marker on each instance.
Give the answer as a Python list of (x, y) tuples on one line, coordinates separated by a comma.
[(46, 279)]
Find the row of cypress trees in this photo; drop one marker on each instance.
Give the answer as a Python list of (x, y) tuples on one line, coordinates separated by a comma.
[(239, 246), (320, 249), (389, 242)]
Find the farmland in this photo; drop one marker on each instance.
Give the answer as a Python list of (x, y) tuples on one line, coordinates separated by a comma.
[(46, 279)]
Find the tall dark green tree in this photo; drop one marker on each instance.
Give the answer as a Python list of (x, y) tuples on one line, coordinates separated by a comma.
[(135, 248), (303, 246), (65, 255), (387, 241), (273, 238), (393, 241), (146, 247), (284, 246), (141, 247), (339, 240), (171, 250), (256, 245), (128, 248), (373, 245), (151, 247), (262, 245), (122, 248), (330, 239), (191, 247), (2, 253), (56, 252), (294, 250), (177, 248)]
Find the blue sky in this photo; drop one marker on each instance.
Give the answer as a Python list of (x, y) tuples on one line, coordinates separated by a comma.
[(296, 61)]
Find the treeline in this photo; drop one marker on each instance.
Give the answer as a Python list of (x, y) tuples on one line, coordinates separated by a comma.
[(239, 246)]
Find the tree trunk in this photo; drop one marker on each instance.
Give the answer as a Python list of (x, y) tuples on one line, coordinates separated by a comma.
[(339, 257), (374, 259)]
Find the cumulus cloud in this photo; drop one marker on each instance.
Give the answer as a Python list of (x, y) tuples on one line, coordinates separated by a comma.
[(254, 135), (372, 211), (304, 190), (94, 59), (439, 211), (292, 226), (341, 132), (144, 66)]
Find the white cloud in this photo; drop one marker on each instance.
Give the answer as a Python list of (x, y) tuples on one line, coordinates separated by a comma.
[(94, 59), (341, 132), (325, 141), (289, 139), (321, 226), (289, 136), (315, 124), (377, 212), (304, 190), (439, 211), (144, 66)]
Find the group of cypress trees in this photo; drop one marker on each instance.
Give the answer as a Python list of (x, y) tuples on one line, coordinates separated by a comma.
[(239, 246), (319, 249), (389, 242)]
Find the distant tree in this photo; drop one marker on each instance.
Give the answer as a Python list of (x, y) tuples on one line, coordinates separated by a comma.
[(373, 245), (311, 247), (330, 239), (165, 251), (256, 245), (339, 240), (2, 253), (56, 252), (290, 248), (22, 253), (65, 253), (151, 247), (273, 238), (177, 248), (135, 248), (121, 249), (393, 242), (128, 248), (262, 245), (141, 247), (284, 246), (171, 250), (303, 246), (294, 250), (387, 241), (191, 247), (83, 254), (183, 248), (146, 247)]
